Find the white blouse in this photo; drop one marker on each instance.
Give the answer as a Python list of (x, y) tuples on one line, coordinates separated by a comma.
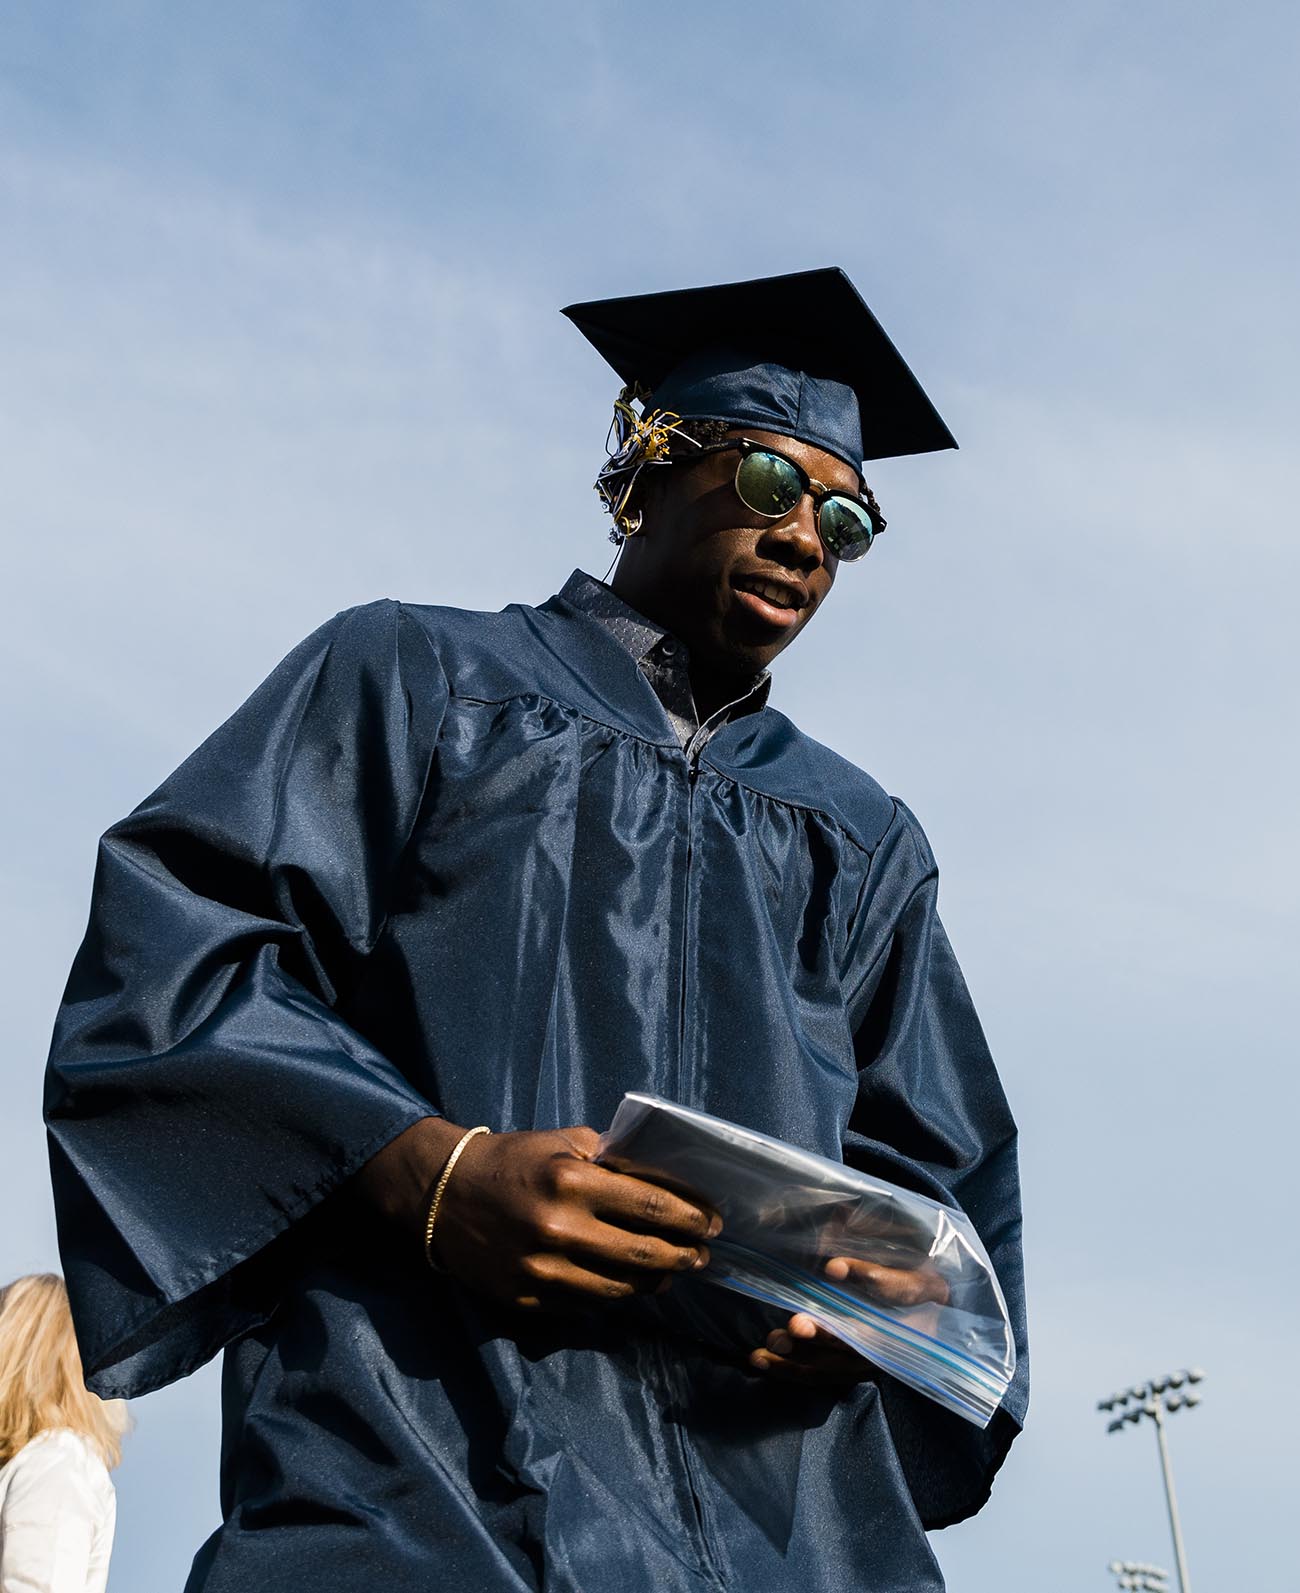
[(57, 1513)]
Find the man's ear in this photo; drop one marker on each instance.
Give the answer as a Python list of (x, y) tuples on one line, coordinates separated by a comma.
[(648, 494)]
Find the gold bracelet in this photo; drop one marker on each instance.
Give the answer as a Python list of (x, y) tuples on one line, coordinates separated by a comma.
[(440, 1189)]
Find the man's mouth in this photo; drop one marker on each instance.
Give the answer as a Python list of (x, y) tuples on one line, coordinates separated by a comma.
[(777, 603)]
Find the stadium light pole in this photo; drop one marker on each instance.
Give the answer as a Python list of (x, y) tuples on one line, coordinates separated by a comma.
[(1137, 1574), (1156, 1400)]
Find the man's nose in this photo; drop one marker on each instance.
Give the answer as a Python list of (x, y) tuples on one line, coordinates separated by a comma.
[(797, 537)]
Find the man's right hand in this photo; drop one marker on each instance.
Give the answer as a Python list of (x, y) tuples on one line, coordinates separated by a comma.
[(532, 1220)]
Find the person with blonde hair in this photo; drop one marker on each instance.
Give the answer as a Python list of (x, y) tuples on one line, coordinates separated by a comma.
[(57, 1444)]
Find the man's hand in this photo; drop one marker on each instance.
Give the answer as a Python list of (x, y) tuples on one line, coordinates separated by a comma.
[(802, 1352), (531, 1219)]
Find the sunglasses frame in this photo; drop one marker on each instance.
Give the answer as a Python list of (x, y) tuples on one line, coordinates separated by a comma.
[(817, 490)]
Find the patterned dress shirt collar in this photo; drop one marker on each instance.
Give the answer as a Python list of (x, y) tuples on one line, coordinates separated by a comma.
[(662, 659)]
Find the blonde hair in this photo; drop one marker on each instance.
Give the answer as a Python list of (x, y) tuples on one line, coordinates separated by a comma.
[(41, 1382)]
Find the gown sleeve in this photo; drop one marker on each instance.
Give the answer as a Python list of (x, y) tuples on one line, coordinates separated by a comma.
[(931, 1114), (203, 1093)]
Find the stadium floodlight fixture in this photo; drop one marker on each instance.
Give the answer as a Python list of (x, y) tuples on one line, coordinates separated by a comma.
[(1154, 1400), (1140, 1576), (1182, 1401)]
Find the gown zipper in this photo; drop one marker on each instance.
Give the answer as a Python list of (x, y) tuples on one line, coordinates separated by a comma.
[(708, 1555), (692, 775), (693, 750)]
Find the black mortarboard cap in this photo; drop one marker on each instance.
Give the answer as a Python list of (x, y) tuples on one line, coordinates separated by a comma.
[(800, 355)]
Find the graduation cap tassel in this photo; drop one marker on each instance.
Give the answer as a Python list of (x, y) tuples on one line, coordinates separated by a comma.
[(633, 441)]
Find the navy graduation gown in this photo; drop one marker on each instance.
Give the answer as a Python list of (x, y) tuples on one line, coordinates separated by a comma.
[(459, 863)]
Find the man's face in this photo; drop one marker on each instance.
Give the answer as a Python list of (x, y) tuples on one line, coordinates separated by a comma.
[(735, 587)]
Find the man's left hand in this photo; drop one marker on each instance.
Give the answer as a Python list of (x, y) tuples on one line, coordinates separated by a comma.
[(802, 1352)]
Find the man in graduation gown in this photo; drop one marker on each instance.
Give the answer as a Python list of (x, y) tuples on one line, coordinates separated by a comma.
[(448, 870)]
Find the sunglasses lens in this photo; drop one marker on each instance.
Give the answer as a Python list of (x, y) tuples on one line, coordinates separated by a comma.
[(768, 484), (846, 527)]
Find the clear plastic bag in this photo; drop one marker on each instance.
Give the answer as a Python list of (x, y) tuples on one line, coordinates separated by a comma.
[(787, 1212)]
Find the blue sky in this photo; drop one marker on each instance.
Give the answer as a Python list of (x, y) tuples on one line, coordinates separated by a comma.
[(278, 304)]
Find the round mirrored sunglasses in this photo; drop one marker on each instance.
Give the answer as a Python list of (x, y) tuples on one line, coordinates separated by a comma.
[(770, 484)]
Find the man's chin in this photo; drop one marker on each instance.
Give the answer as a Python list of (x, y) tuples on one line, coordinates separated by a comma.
[(750, 644)]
